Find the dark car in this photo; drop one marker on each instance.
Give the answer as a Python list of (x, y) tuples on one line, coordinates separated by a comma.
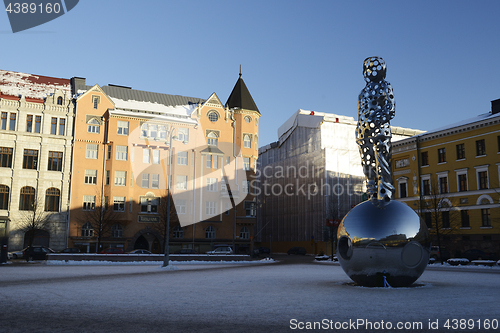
[(112, 250), (475, 254), (297, 250), (139, 252), (36, 252), (186, 251), (71, 250), (264, 249)]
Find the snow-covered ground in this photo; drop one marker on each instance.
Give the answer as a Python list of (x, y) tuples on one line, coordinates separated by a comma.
[(238, 297)]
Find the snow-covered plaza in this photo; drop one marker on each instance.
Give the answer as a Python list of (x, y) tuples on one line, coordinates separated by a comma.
[(264, 297)]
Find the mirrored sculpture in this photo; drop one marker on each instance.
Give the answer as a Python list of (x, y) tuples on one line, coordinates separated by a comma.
[(381, 242)]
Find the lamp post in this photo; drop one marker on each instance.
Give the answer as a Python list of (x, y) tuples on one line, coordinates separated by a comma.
[(166, 259)]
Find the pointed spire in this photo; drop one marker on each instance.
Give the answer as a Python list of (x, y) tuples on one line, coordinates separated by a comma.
[(240, 97)]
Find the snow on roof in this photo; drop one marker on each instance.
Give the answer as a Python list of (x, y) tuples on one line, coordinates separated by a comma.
[(480, 117), (32, 86), (172, 117), (181, 110)]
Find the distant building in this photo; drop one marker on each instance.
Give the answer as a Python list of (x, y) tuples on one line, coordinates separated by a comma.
[(451, 177), (36, 129), (121, 169), (309, 179)]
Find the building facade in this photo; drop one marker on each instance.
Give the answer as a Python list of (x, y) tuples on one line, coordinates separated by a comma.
[(451, 177), (133, 148), (35, 158), (309, 180)]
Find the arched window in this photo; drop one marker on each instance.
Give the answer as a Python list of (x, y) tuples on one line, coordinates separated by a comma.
[(117, 230), (27, 199), (248, 119), (178, 232), (244, 233), (247, 141), (212, 139), (213, 116), (52, 199), (87, 230), (59, 100), (210, 232), (4, 197)]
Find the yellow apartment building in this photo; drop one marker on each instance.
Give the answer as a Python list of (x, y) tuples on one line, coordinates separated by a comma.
[(132, 147), (450, 176)]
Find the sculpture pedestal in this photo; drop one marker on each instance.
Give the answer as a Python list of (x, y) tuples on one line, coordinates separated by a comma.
[(375, 242)]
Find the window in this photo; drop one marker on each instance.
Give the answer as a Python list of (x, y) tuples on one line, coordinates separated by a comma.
[(94, 126), (443, 185), (428, 219), (183, 134), (144, 130), (441, 155), (92, 151), (210, 232), (209, 161), (149, 204), (91, 177), (30, 159), (155, 181), (88, 202), (178, 232), (462, 181), (120, 178), (108, 176), (445, 216), (6, 157), (212, 184), (38, 123), (162, 132), (482, 179), (12, 124), (464, 215), (62, 125), (210, 208), (27, 198), (180, 206), (460, 151), (228, 160), (248, 119), (87, 230), (250, 208), (156, 156), (108, 152), (145, 180), (153, 130), (59, 100), (480, 148), (4, 197), (117, 231), (182, 158), (485, 217), (247, 141), (3, 124), (55, 161), (213, 116), (29, 123), (216, 162), (181, 182), (121, 153), (257, 142), (122, 127), (53, 126), (145, 155), (95, 101), (244, 233), (426, 185), (212, 139), (246, 163), (245, 184), (402, 190), (119, 204), (52, 199)]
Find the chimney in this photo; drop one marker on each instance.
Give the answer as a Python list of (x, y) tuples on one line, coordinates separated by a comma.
[(76, 83), (495, 106)]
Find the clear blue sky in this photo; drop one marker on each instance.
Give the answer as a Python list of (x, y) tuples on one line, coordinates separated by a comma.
[(443, 57)]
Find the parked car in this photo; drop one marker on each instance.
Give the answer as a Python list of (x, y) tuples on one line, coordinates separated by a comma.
[(222, 250), (186, 251), (112, 250), (439, 254), (475, 254), (263, 249), (297, 250), (139, 252), (71, 250), (15, 254), (36, 253)]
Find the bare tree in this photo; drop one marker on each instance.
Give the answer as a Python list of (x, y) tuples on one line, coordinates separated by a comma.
[(102, 217), (34, 219), (163, 211)]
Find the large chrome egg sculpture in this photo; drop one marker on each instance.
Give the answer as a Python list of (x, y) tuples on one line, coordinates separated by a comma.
[(383, 244)]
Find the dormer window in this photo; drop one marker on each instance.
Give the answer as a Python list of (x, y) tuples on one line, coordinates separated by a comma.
[(213, 116), (59, 100), (95, 101)]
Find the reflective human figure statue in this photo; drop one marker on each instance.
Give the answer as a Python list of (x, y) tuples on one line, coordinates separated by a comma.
[(373, 134)]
